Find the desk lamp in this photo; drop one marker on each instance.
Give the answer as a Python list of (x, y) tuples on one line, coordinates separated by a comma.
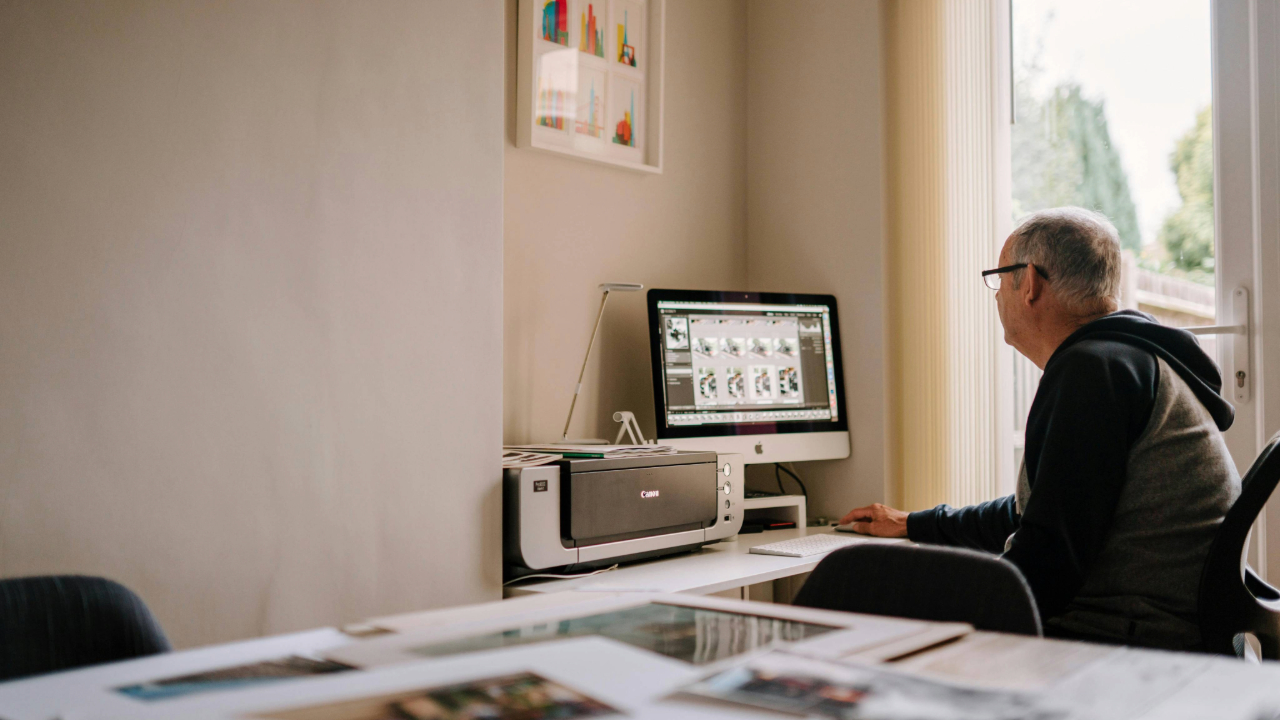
[(607, 288)]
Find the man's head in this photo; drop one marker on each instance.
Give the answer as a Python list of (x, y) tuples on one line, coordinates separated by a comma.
[(1079, 252)]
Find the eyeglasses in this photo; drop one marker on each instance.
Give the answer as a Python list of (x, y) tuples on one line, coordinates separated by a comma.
[(992, 277)]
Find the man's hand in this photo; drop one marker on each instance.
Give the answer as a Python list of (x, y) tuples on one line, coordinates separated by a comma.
[(879, 520)]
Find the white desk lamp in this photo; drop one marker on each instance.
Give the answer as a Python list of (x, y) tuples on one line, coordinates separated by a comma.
[(607, 288)]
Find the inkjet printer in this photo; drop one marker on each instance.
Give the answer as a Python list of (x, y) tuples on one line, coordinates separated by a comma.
[(582, 514)]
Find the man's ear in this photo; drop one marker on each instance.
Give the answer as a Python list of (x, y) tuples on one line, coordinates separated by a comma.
[(1032, 285)]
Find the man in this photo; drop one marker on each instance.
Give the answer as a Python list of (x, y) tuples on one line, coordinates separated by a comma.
[(1125, 477)]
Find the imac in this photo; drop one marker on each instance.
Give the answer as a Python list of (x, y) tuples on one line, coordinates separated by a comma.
[(751, 373)]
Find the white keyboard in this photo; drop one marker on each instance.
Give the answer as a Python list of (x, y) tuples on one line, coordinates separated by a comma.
[(805, 546)]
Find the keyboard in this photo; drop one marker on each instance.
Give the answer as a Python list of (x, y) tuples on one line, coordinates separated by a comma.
[(805, 546)]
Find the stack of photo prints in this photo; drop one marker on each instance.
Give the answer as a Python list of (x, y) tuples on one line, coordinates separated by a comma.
[(769, 675)]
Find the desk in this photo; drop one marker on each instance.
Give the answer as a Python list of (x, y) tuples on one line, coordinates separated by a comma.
[(1102, 683), (717, 568)]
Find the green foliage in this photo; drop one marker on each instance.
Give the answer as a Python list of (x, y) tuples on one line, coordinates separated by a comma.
[(1062, 155), (1187, 234)]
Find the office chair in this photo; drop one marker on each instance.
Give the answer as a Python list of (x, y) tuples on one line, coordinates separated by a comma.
[(61, 622), (926, 583), (1233, 600)]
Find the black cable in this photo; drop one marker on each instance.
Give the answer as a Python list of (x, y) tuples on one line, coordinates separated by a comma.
[(803, 489), (778, 479)]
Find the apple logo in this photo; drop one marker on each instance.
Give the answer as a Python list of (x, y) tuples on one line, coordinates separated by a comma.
[(759, 448)]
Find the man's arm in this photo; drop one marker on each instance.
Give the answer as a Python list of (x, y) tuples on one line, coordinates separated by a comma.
[(1088, 410), (985, 526)]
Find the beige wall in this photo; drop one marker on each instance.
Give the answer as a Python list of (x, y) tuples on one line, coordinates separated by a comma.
[(571, 225), (815, 204), (250, 266)]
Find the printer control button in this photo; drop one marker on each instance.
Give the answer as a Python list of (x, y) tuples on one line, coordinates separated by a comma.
[(727, 469), (726, 504), (727, 488)]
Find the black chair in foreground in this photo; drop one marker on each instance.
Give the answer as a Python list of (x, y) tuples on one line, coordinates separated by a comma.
[(1233, 600), (925, 583), (53, 623)]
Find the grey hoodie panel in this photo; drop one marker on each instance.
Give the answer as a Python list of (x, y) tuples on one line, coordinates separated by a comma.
[(1180, 483)]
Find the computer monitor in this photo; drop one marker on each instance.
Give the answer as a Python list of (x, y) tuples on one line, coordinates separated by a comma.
[(751, 373)]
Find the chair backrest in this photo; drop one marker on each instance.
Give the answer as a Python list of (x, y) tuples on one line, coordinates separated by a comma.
[(925, 583), (1233, 599), (53, 623)]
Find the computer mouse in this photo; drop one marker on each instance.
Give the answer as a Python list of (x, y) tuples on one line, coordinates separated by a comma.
[(848, 529)]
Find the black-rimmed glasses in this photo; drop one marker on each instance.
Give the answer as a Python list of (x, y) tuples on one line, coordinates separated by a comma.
[(992, 277)]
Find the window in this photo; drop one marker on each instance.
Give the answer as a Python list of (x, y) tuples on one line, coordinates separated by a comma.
[(1112, 112)]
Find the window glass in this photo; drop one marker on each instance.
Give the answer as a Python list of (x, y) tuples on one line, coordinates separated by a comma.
[(1112, 112)]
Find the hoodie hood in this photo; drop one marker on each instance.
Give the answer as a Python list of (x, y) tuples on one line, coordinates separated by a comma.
[(1176, 347)]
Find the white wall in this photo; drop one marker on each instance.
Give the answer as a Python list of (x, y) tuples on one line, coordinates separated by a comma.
[(570, 225), (251, 272), (815, 204)]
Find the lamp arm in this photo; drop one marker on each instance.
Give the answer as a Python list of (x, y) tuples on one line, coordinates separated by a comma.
[(581, 373)]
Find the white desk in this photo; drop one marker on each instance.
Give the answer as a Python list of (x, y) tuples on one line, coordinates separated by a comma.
[(714, 569)]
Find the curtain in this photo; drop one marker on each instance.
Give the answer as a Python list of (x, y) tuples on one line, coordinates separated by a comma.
[(946, 127)]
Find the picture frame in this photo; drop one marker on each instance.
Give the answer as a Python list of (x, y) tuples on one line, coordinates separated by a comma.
[(590, 80)]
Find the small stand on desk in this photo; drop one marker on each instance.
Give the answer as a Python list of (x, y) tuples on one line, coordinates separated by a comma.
[(776, 507)]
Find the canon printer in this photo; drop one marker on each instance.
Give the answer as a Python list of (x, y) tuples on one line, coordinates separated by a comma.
[(583, 514)]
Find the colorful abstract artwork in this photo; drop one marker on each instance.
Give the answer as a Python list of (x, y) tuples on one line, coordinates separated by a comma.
[(589, 118), (624, 129), (586, 92), (557, 84), (629, 20), (591, 32), (555, 21)]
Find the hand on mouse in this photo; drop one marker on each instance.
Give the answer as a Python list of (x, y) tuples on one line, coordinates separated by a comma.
[(879, 520)]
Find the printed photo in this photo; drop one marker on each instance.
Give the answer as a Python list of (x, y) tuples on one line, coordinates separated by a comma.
[(523, 696), (628, 19), (785, 346), (553, 21), (591, 28), (693, 635), (708, 393), (677, 333), (707, 347), (761, 347), (763, 382), (626, 112), (813, 688), (232, 678), (735, 383), (737, 347), (557, 82), (589, 114), (788, 382)]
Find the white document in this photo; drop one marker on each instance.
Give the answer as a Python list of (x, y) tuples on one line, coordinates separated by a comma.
[(1127, 683), (1011, 662), (521, 459)]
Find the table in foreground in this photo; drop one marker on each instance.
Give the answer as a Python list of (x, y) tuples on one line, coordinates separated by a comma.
[(1098, 682)]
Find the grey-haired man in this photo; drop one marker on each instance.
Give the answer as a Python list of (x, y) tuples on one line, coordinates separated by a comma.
[(1125, 476)]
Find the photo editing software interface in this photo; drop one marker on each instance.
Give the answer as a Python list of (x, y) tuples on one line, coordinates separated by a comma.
[(726, 362)]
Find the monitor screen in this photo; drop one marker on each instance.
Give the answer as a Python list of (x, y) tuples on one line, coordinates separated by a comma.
[(732, 363)]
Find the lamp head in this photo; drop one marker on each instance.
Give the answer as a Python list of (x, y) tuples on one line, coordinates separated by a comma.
[(621, 287)]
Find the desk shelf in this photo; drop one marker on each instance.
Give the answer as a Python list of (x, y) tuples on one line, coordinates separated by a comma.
[(781, 507)]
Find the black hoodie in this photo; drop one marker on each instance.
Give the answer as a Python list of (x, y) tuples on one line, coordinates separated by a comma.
[(1094, 401)]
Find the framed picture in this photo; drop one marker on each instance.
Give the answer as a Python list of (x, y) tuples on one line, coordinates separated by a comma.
[(590, 80)]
